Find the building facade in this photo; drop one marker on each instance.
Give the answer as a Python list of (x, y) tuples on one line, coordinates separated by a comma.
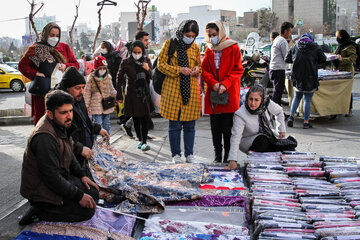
[(347, 16)]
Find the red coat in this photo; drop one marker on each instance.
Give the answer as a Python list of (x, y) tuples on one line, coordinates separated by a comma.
[(65, 50), (230, 72)]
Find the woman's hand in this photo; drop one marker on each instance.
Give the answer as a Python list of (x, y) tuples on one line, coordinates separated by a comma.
[(40, 74), (185, 71), (216, 87), (145, 66), (62, 67), (222, 89), (232, 165), (281, 135), (195, 71), (339, 57)]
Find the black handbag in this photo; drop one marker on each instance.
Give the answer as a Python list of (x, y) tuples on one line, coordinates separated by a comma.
[(108, 102), (216, 98), (39, 86)]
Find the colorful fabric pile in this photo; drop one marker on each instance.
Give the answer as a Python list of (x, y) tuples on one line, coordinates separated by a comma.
[(333, 75), (330, 56)]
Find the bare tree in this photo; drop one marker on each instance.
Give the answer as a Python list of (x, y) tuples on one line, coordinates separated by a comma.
[(32, 14), (99, 27), (73, 25), (142, 9)]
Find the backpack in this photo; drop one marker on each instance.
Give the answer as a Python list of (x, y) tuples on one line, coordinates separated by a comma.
[(157, 76)]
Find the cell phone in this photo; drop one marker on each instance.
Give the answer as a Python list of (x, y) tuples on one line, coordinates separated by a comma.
[(101, 202)]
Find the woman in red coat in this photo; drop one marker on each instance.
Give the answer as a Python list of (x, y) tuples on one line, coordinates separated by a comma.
[(43, 58), (222, 71)]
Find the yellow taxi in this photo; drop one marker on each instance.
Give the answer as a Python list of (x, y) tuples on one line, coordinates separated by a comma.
[(11, 78)]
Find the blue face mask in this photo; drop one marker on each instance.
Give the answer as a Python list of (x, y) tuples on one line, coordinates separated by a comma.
[(187, 40), (214, 40)]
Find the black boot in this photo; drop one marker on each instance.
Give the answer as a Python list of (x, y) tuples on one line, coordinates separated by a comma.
[(226, 155), (218, 156), (29, 216)]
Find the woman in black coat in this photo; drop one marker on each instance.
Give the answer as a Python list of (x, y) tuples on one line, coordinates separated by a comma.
[(113, 59)]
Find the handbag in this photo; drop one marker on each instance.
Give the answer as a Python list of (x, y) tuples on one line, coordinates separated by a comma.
[(39, 86), (216, 98), (108, 102)]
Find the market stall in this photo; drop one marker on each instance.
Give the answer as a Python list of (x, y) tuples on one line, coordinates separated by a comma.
[(333, 96)]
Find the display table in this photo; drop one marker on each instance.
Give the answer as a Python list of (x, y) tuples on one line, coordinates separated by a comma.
[(332, 98)]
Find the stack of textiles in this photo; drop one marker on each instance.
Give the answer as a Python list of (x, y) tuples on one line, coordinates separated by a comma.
[(221, 213), (331, 57), (275, 210), (101, 225), (333, 75)]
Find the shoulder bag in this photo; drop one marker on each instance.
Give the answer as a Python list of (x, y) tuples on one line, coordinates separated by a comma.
[(108, 102), (39, 86)]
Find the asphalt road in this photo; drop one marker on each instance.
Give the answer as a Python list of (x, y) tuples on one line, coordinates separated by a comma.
[(11, 100)]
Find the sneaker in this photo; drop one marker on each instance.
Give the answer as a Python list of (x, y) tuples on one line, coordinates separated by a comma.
[(140, 145), (29, 216), (177, 159), (127, 130), (290, 121), (190, 159), (145, 147), (307, 125)]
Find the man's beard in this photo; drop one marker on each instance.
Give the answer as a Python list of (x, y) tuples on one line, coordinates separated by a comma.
[(78, 98)]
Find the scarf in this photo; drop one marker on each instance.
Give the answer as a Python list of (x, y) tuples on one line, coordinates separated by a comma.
[(140, 80), (223, 41), (264, 127)]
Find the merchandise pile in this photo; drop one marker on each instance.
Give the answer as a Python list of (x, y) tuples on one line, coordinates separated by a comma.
[(222, 212), (333, 75), (331, 56)]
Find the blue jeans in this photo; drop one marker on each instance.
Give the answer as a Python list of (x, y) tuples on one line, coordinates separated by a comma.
[(175, 128), (307, 103), (103, 120)]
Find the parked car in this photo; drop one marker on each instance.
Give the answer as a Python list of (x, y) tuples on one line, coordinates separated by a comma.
[(13, 64), (11, 78)]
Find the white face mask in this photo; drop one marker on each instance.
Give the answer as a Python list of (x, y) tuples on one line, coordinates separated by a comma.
[(102, 72), (103, 51), (52, 41), (214, 40), (136, 56), (188, 40)]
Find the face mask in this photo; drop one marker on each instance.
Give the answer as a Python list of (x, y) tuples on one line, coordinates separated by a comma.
[(187, 40), (214, 40), (103, 51), (102, 72), (52, 41), (339, 40), (136, 56)]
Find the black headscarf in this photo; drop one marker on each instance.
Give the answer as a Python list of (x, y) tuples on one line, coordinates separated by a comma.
[(140, 81), (343, 42), (264, 127), (183, 58)]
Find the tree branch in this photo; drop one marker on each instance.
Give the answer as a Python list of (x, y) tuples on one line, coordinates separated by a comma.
[(138, 15), (31, 17), (73, 25), (99, 27)]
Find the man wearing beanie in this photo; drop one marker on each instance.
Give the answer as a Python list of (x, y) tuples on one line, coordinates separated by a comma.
[(82, 128)]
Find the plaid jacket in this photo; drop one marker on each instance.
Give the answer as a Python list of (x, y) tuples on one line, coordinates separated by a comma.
[(171, 101)]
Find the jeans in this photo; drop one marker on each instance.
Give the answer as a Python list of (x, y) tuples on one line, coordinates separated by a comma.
[(175, 128), (103, 120), (307, 103), (278, 76)]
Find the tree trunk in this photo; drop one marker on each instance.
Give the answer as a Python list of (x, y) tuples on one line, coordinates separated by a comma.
[(31, 17), (99, 27), (73, 25)]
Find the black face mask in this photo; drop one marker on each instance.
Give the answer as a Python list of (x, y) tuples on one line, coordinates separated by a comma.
[(340, 40)]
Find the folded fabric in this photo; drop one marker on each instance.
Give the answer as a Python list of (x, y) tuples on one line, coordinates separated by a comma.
[(213, 201), (190, 236), (27, 235)]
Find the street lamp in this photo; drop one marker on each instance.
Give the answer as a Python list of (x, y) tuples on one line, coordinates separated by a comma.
[(107, 2)]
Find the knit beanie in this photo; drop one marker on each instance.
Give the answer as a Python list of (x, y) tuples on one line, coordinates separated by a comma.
[(99, 61), (72, 77)]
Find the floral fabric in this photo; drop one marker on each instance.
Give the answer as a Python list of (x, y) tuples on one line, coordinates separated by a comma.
[(27, 235), (190, 236)]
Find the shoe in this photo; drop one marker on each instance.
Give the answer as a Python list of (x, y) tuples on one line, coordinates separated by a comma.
[(177, 159), (140, 145), (145, 147), (190, 159), (290, 121), (218, 156), (127, 130), (29, 216), (307, 125)]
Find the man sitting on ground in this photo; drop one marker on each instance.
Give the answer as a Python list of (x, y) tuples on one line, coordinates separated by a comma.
[(51, 177)]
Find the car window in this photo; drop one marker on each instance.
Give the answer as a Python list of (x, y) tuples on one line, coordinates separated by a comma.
[(7, 68)]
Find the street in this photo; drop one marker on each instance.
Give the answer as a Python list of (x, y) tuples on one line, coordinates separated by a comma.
[(338, 137)]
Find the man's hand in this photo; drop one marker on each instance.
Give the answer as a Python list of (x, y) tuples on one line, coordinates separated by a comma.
[(195, 71), (104, 133), (216, 87), (62, 67), (232, 165), (222, 89), (86, 153), (86, 181), (87, 201), (281, 135), (185, 71)]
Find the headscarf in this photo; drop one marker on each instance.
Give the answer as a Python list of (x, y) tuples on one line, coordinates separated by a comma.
[(307, 37), (140, 81), (223, 41), (342, 44), (45, 52), (264, 127), (183, 59)]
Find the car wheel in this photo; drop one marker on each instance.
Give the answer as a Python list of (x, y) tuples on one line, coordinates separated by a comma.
[(16, 85)]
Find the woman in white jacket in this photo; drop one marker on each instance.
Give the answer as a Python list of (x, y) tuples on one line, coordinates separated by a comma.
[(251, 129)]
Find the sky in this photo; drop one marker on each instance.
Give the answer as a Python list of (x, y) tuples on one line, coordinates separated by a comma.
[(64, 10)]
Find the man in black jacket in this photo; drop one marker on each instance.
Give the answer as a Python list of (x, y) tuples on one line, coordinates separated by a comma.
[(82, 128), (51, 177)]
